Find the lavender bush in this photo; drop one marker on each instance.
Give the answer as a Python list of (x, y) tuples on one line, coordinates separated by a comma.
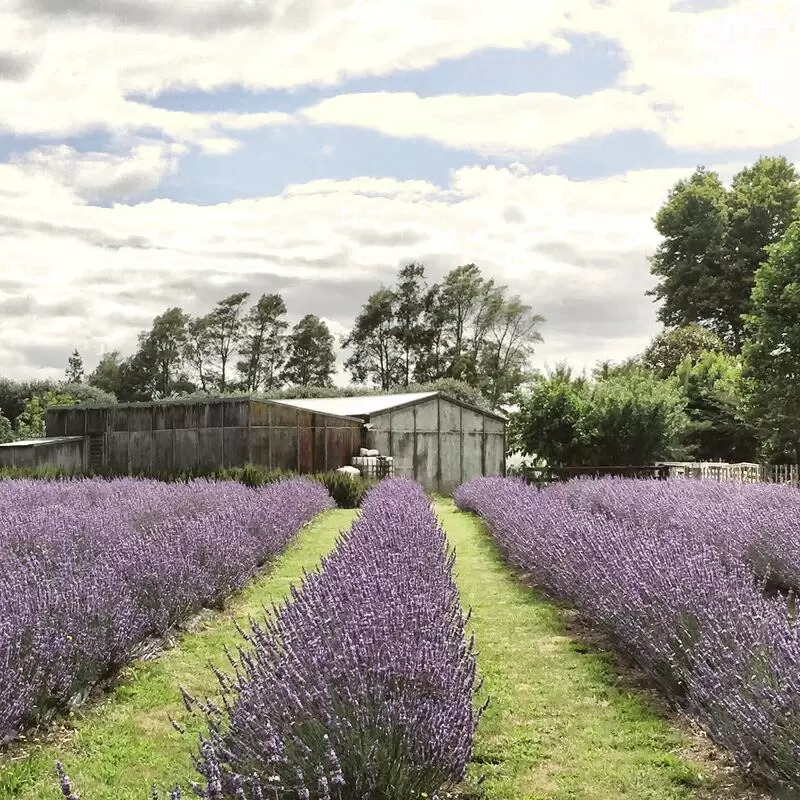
[(360, 687), (671, 572), (91, 569)]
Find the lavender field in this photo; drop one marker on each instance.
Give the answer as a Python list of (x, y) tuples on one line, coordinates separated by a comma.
[(362, 684), (90, 570), (694, 580)]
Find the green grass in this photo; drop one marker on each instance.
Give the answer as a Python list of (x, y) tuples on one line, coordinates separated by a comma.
[(120, 747), (559, 725)]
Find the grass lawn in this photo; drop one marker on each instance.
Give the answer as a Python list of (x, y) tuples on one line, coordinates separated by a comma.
[(559, 725), (120, 747)]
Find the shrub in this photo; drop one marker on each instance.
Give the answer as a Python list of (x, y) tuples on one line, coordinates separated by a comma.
[(361, 685), (91, 569), (347, 491), (666, 572)]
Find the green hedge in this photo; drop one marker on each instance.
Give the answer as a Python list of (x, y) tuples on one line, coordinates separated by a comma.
[(346, 490)]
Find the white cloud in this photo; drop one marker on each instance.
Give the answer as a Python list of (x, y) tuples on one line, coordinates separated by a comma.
[(575, 250), (721, 78), (525, 124), (102, 176)]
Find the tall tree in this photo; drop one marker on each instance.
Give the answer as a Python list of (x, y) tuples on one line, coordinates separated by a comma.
[(223, 332), (711, 382), (263, 346), (463, 292), (714, 241), (373, 340), (310, 358), (106, 375), (434, 345), (74, 372), (409, 299), (670, 348), (198, 352), (506, 348), (162, 350), (762, 203), (771, 374)]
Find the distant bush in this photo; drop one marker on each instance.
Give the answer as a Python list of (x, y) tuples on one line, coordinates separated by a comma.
[(347, 491)]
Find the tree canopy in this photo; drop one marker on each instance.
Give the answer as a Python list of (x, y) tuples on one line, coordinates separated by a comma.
[(772, 350), (713, 241)]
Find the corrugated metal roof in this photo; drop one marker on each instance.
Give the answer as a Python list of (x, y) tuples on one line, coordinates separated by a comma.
[(360, 407), (45, 440)]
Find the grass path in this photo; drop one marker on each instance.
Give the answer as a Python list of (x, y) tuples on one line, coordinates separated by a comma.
[(559, 726), (122, 746)]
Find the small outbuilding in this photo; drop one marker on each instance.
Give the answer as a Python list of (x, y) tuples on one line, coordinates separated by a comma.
[(437, 440)]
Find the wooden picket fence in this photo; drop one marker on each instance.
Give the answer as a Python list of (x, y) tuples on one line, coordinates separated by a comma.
[(741, 473)]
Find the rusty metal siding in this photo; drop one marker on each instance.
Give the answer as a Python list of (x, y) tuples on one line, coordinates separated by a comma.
[(187, 449), (164, 449), (117, 451)]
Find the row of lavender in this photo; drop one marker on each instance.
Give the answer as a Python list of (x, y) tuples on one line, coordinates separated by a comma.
[(359, 686), (91, 569), (757, 524), (668, 572)]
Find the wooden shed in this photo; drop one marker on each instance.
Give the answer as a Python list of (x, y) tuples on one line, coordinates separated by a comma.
[(206, 434), (437, 440)]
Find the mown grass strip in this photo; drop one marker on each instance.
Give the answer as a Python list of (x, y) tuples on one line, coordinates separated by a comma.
[(118, 748), (559, 725)]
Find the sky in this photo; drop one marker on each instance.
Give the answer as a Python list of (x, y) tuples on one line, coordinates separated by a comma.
[(159, 153)]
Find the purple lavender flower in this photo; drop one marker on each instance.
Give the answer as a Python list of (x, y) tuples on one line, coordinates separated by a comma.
[(360, 685), (675, 572), (90, 569)]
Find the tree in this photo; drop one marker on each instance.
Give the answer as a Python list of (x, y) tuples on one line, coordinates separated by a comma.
[(31, 422), (670, 348), (6, 431), (198, 351), (711, 382), (74, 372), (163, 351), (714, 241), (106, 375), (375, 355), (635, 419), (263, 346), (771, 373), (464, 293), (409, 310), (223, 332), (551, 420), (507, 347), (310, 358), (629, 418), (433, 345)]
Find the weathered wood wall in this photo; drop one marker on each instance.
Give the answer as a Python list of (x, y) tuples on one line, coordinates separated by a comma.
[(69, 454), (206, 435)]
